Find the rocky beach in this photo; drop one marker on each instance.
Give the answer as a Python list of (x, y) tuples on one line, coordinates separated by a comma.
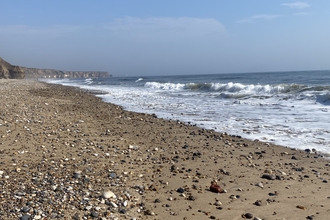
[(66, 154)]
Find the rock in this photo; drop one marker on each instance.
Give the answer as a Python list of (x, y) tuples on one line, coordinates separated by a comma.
[(94, 215), (25, 209), (247, 215), (108, 194), (260, 203), (217, 203), (77, 174), (216, 188), (268, 176), (122, 211), (113, 175), (8, 71), (301, 207), (294, 157), (260, 185), (76, 216), (25, 217), (180, 190), (191, 198)]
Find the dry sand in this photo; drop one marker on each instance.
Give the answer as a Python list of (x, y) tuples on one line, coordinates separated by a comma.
[(65, 154)]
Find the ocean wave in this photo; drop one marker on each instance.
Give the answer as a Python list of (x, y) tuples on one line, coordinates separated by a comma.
[(323, 99), (233, 90), (164, 86), (89, 81)]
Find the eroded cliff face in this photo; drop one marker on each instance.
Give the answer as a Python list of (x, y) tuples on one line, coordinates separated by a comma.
[(8, 71), (49, 73)]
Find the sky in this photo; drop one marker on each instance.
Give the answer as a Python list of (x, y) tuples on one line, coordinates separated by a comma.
[(166, 37)]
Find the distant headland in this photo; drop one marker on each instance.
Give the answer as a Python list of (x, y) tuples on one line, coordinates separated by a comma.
[(8, 71)]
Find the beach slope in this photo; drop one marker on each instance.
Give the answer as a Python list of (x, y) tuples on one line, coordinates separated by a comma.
[(66, 154)]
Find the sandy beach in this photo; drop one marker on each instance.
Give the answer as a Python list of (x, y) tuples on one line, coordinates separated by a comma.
[(65, 154)]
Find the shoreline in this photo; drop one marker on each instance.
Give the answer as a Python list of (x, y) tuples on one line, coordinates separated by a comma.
[(67, 147)]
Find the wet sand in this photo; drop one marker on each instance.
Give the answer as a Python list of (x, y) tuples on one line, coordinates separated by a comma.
[(66, 154)]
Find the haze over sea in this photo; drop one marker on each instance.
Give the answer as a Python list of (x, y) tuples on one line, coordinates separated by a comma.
[(286, 108)]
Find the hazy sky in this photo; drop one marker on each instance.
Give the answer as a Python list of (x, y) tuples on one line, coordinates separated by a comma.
[(163, 37)]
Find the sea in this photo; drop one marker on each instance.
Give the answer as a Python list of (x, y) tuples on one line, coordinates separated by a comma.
[(291, 109)]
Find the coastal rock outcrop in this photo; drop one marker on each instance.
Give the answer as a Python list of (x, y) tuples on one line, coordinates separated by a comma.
[(8, 71)]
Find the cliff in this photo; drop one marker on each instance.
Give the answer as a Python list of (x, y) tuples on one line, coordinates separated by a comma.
[(8, 71), (50, 73)]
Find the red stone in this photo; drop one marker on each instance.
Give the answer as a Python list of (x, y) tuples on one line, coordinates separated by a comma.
[(215, 188)]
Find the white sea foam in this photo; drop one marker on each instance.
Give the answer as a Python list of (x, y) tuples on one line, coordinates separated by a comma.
[(165, 86)]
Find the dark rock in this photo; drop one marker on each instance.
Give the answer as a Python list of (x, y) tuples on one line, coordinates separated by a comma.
[(25, 217), (258, 203), (294, 157), (25, 209), (185, 146), (268, 176), (192, 198), (94, 215), (215, 188), (122, 211), (76, 216), (180, 190), (273, 193), (299, 169), (247, 215)]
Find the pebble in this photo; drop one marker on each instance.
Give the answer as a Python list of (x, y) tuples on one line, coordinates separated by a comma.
[(77, 174), (217, 203), (25, 217), (260, 185), (108, 194), (268, 176), (247, 215), (113, 175), (94, 214), (215, 188), (25, 209), (192, 198)]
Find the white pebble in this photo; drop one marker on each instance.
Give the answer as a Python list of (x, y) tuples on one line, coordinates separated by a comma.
[(108, 194)]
